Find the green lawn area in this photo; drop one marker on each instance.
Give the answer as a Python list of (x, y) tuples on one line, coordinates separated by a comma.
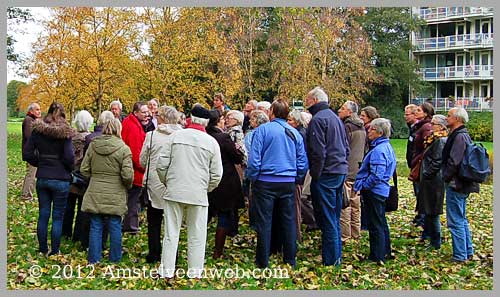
[(414, 268)]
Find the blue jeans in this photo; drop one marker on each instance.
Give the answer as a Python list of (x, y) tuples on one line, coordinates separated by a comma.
[(432, 227), (97, 222), (326, 193), (52, 195), (266, 197), (458, 224), (378, 230)]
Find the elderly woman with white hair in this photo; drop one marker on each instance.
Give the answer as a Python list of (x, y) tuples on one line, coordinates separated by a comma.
[(372, 180), (168, 123), (431, 192), (83, 121), (234, 127)]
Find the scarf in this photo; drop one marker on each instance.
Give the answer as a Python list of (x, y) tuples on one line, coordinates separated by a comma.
[(434, 136)]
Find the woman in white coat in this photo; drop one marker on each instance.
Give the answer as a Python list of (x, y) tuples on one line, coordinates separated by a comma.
[(168, 119)]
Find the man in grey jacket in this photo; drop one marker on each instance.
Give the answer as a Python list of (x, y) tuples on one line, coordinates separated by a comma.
[(190, 166), (457, 189), (350, 217)]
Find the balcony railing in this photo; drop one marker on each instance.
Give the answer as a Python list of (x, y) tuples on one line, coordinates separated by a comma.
[(469, 103), (480, 40), (457, 72), (439, 13)]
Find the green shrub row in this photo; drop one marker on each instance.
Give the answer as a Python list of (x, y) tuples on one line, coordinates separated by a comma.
[(480, 124)]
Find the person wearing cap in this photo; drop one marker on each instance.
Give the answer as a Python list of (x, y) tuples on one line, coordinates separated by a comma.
[(190, 166)]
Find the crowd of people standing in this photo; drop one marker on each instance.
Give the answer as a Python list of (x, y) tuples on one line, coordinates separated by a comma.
[(286, 167)]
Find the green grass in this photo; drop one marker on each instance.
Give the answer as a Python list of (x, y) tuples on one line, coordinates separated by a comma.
[(414, 268)]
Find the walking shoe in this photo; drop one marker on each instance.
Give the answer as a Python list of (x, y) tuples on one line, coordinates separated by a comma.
[(26, 198), (454, 260)]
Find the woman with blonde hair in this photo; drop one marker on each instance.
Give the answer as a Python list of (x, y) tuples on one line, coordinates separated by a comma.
[(108, 164)]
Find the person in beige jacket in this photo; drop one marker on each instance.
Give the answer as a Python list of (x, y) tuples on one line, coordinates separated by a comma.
[(167, 119), (108, 164), (190, 166)]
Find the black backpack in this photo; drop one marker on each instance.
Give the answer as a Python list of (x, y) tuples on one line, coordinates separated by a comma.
[(475, 166)]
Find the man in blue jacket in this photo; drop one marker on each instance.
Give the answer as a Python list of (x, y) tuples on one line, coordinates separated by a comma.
[(327, 151), (277, 160)]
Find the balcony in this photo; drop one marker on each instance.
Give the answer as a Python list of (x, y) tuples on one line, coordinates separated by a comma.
[(445, 13), (468, 72), (454, 42), (469, 103)]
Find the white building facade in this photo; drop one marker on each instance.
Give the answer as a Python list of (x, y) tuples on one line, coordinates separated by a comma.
[(455, 54)]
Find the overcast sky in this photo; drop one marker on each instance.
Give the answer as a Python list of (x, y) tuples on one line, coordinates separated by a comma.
[(25, 34)]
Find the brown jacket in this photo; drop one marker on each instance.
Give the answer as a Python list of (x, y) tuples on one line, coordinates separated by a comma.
[(27, 128)]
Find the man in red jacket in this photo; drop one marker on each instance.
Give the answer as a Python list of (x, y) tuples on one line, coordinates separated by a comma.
[(133, 135)]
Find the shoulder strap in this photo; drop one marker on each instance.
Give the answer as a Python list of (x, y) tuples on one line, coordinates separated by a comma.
[(149, 157), (288, 132)]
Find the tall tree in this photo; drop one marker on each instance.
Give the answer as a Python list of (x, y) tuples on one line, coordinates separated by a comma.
[(189, 60), (15, 15), (389, 29), (13, 89), (321, 46), (83, 59)]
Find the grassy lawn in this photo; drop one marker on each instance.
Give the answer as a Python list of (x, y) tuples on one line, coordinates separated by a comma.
[(413, 267)]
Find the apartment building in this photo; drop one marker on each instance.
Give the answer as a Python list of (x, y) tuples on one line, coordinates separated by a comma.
[(455, 53)]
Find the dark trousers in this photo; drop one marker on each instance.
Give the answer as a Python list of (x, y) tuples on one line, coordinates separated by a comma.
[(432, 228), (364, 213), (69, 215), (131, 220), (155, 220), (378, 230), (326, 192), (279, 197)]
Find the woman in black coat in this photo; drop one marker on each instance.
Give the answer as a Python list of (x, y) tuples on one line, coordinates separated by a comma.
[(431, 192), (50, 149), (228, 196)]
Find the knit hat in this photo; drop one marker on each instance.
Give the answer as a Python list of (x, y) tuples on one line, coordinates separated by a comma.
[(200, 112)]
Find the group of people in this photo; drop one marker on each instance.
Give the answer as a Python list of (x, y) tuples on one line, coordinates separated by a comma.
[(286, 167)]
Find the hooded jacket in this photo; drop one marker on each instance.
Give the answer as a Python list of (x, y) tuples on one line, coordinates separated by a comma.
[(156, 189), (108, 163), (356, 137), (50, 149)]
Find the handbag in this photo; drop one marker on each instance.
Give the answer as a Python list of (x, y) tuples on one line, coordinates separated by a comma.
[(391, 203), (415, 171), (78, 180), (346, 202), (144, 196)]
